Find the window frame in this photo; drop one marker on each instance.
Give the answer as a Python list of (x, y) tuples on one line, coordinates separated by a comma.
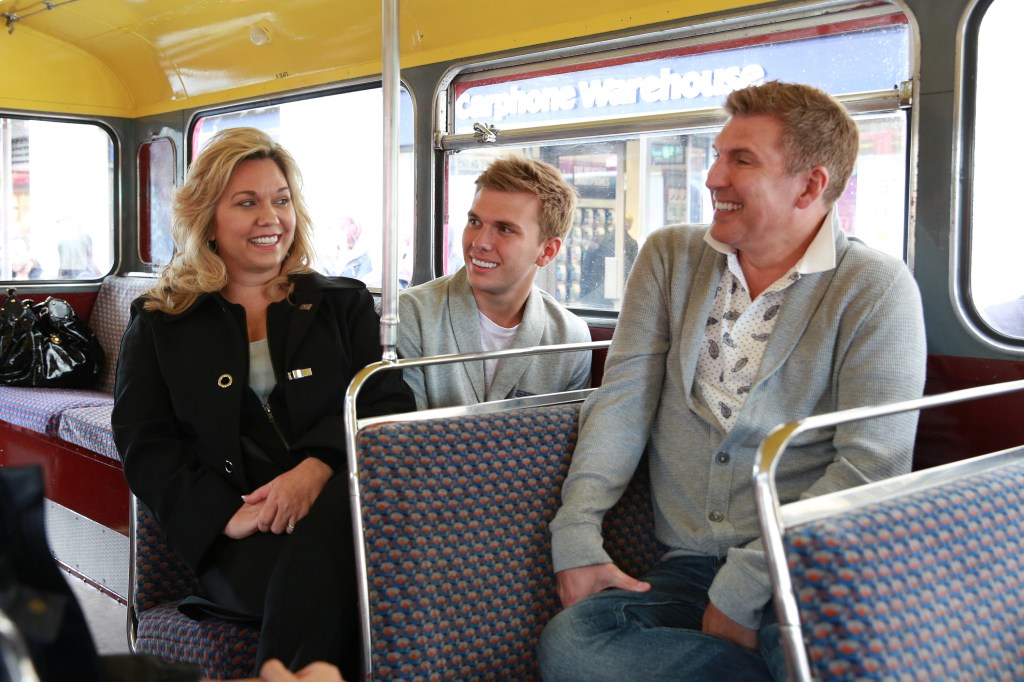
[(115, 206), (965, 119), (144, 203)]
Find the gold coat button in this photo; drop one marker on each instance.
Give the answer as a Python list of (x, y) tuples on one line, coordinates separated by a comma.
[(224, 380)]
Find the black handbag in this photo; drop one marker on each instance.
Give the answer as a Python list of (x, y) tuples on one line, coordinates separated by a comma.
[(46, 345)]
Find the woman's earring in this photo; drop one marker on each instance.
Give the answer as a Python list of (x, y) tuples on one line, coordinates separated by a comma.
[(213, 245)]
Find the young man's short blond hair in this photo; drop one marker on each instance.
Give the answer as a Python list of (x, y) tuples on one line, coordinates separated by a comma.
[(542, 180), (816, 129)]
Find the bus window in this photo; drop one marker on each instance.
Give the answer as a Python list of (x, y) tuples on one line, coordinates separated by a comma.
[(56, 200), (996, 239), (668, 173), (156, 194), (633, 133), (337, 140)]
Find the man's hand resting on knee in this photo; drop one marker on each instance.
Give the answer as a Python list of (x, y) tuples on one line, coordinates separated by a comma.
[(576, 583)]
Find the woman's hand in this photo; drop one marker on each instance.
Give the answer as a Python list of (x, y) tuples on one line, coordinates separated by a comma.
[(283, 502), (318, 671), (274, 671), (244, 521)]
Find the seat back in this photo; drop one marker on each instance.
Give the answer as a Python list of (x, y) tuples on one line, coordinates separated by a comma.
[(158, 582), (928, 585), (628, 527), (109, 319), (455, 522), (915, 577), (158, 575)]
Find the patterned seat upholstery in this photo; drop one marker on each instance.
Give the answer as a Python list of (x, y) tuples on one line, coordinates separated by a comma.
[(41, 409), (456, 513), (629, 527), (927, 586), (224, 650), (109, 319), (90, 428)]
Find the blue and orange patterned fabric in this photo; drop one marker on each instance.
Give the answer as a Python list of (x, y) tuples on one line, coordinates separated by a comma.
[(223, 650), (925, 587), (456, 513), (628, 527)]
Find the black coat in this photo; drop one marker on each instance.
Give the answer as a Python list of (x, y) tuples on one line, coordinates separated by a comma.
[(179, 394)]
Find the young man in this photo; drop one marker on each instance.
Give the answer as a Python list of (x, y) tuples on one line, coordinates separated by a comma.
[(520, 214), (770, 315)]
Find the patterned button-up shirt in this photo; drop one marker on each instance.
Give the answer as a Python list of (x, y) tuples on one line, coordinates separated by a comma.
[(738, 329)]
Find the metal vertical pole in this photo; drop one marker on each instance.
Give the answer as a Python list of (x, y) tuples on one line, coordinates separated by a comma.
[(389, 308), (390, 84)]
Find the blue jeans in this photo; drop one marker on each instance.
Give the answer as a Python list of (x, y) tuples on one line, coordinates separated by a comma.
[(653, 636)]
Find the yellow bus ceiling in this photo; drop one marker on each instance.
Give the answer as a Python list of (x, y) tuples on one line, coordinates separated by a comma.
[(134, 58)]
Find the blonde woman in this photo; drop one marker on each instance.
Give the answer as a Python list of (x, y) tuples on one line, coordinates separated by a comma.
[(228, 404)]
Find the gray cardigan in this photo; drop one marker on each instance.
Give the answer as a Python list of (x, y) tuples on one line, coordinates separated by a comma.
[(441, 317), (847, 337)]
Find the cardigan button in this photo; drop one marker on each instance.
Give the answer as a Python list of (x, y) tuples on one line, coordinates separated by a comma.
[(228, 466), (722, 458), (716, 517)]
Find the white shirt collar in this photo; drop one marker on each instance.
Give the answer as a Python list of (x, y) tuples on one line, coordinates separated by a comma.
[(820, 255)]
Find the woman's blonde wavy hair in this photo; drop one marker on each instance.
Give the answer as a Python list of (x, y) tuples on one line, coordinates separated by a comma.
[(195, 268)]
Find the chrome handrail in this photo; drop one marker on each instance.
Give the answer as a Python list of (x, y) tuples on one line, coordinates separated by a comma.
[(770, 514), (391, 85), (132, 616)]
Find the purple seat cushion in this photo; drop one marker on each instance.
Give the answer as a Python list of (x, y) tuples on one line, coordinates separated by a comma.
[(40, 409), (89, 427)]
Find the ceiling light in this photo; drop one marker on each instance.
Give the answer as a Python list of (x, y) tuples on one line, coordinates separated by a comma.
[(259, 35)]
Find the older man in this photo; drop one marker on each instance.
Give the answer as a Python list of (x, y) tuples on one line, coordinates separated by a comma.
[(771, 314)]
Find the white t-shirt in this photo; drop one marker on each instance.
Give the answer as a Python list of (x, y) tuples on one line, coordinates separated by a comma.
[(494, 337)]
